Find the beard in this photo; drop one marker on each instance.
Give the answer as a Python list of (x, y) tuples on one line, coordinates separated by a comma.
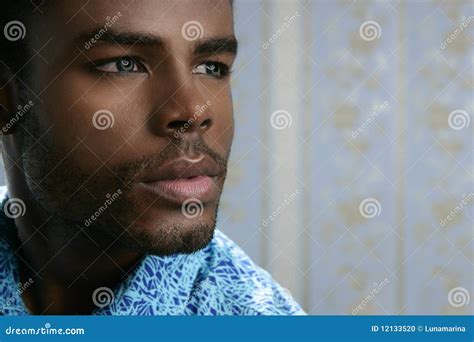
[(104, 202)]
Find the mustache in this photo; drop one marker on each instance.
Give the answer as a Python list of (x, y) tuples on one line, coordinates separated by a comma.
[(131, 171)]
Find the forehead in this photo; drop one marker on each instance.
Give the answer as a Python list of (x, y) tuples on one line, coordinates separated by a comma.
[(165, 18)]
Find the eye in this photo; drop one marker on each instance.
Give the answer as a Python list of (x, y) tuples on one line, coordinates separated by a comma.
[(121, 65), (214, 69)]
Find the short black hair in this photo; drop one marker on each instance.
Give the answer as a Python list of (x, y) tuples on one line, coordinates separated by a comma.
[(15, 18)]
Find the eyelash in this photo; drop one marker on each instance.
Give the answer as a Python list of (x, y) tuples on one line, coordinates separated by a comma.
[(226, 70), (101, 63)]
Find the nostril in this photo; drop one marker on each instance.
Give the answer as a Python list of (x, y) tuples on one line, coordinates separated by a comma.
[(176, 124), (205, 124)]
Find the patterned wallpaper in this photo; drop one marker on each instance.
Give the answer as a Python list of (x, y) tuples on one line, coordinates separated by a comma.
[(351, 178)]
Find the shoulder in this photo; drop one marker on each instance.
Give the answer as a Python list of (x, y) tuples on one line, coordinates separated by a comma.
[(242, 286)]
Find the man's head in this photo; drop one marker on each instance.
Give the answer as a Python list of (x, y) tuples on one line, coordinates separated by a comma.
[(130, 122)]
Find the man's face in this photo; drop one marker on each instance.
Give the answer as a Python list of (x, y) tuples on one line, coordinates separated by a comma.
[(135, 125)]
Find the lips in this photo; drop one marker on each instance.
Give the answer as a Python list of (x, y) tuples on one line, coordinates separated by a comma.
[(184, 178)]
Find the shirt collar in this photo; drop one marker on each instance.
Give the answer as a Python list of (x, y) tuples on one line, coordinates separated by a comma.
[(149, 289)]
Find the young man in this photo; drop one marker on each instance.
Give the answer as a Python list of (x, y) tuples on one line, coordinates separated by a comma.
[(117, 125)]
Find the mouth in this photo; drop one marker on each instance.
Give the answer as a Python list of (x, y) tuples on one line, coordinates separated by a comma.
[(183, 179)]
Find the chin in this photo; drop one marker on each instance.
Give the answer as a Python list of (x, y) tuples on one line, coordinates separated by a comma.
[(163, 239), (159, 229)]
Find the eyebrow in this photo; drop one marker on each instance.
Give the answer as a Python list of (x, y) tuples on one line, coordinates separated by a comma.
[(216, 46), (99, 37)]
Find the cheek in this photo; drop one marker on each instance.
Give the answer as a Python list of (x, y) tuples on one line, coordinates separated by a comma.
[(218, 95), (224, 122), (228, 133), (94, 123)]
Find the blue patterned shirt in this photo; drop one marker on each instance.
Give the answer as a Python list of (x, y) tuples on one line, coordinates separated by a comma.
[(217, 280)]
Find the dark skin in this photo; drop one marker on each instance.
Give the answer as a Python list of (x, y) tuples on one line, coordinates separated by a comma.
[(151, 79)]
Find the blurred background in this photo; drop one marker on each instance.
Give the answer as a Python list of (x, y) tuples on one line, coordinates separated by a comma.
[(351, 178)]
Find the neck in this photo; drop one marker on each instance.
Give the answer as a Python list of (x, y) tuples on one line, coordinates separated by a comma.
[(66, 262)]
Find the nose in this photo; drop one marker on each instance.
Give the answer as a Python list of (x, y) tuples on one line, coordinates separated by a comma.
[(184, 112)]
